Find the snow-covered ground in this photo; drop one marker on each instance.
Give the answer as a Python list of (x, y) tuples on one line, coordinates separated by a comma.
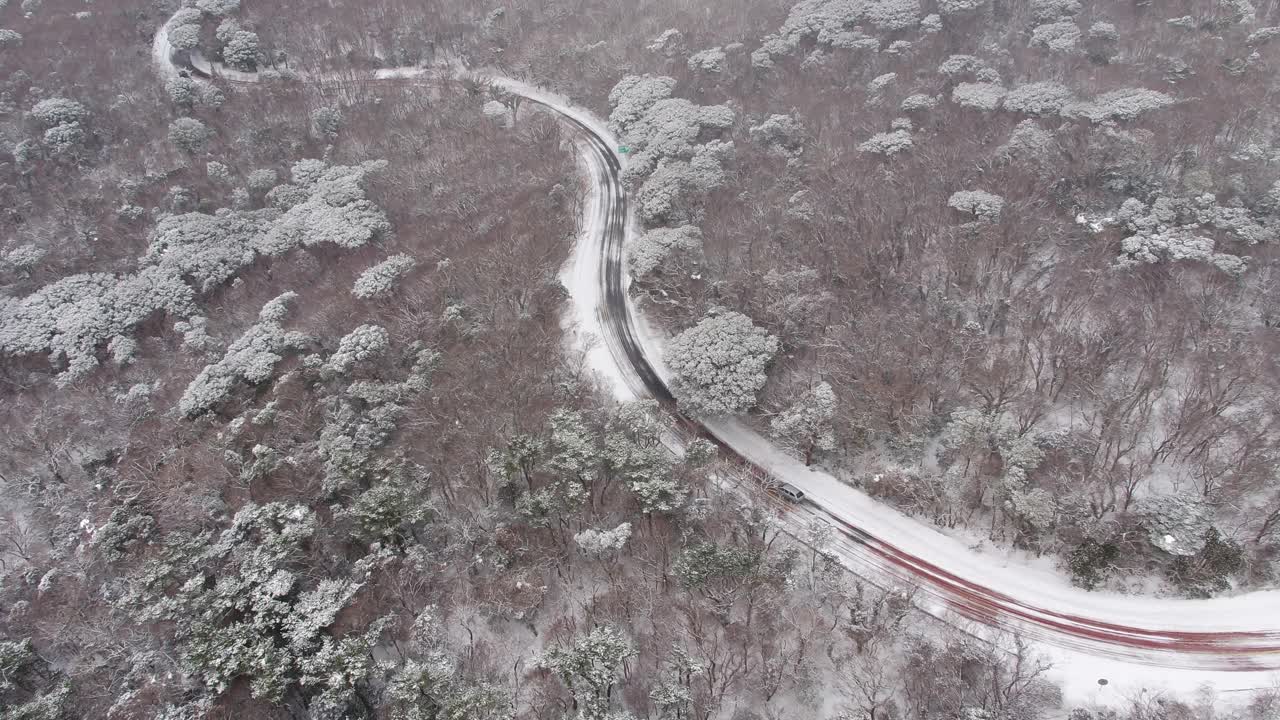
[(1037, 598)]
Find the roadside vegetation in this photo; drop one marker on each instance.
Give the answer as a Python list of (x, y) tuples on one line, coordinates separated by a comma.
[(292, 427)]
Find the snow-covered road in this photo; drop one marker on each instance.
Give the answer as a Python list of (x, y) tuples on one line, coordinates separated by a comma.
[(1134, 642)]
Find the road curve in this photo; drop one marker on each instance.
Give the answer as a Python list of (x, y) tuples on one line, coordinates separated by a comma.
[(1218, 650), (942, 591)]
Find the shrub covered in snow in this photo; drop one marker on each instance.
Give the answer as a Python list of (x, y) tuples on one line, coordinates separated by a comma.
[(980, 203), (9, 38), (719, 364), (380, 280)]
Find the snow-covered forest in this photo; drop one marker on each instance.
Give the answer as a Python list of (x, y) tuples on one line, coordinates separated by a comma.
[(295, 424)]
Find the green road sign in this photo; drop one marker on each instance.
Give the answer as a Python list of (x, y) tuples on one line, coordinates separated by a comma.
[(623, 149)]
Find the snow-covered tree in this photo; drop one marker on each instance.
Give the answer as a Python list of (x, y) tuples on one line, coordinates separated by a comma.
[(1102, 42), (63, 140), (210, 249), (59, 111), (782, 134), (251, 358), (184, 37), (1043, 11), (806, 426), (1176, 523), (241, 51), (1038, 98), (218, 8), (589, 666), (1179, 229), (672, 193), (710, 60), (24, 257), (669, 43), (603, 543), (261, 180), (959, 66), (959, 7), (633, 96), (70, 318), (366, 342), (1029, 143), (1126, 104), (978, 95), (919, 102), (633, 452), (189, 135), (980, 203), (1060, 36), (195, 335), (218, 172), (654, 249), (243, 611), (182, 91), (719, 364), (381, 279), (887, 143), (326, 122), (335, 209), (9, 38)]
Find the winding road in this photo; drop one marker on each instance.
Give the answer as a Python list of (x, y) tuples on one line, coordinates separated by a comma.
[(1233, 642)]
